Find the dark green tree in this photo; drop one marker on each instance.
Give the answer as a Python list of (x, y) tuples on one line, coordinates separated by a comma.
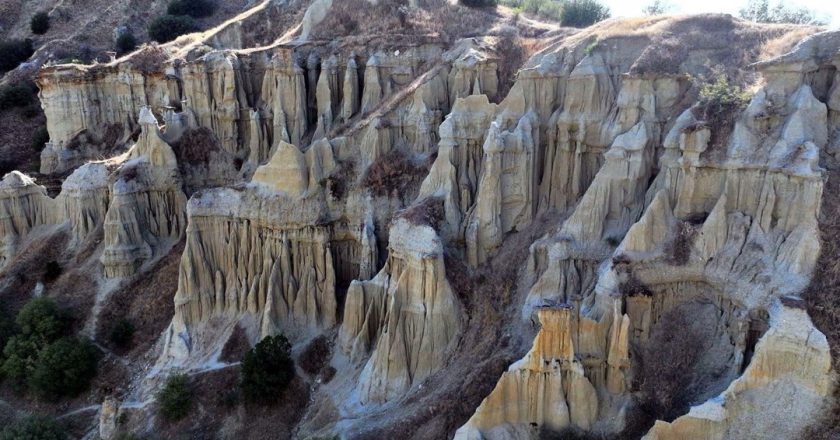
[(193, 8), (64, 368), (267, 369), (169, 27), (175, 398), (125, 43), (33, 428), (39, 23)]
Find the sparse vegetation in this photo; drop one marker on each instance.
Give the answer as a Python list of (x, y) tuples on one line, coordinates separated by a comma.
[(39, 24), (33, 428), (150, 59), (267, 370), (478, 3), (125, 43), (429, 212), (658, 7), (315, 355), (14, 52), (583, 13), (393, 172), (169, 27), (719, 104), (192, 8), (175, 399), (760, 11), (122, 334), (52, 271)]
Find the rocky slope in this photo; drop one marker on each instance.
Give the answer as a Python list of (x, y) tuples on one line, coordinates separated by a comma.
[(614, 243)]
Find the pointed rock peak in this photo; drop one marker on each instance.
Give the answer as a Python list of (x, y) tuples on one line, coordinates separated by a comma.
[(653, 229), (147, 117), (351, 62), (286, 171), (374, 60)]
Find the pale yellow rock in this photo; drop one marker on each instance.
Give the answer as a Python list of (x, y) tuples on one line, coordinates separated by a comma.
[(286, 171), (789, 379), (407, 314), (546, 388)]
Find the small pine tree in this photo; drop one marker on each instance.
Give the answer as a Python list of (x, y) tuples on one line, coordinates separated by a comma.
[(126, 43), (193, 8), (169, 27), (39, 23), (267, 370), (175, 398), (14, 52)]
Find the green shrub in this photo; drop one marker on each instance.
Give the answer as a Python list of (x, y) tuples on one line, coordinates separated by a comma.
[(42, 320), (64, 368), (52, 271), (20, 355), (193, 8), (126, 43), (169, 27), (122, 333), (39, 23), (17, 95), (583, 13), (40, 138), (33, 428), (267, 369), (478, 3), (14, 52), (718, 106), (175, 399)]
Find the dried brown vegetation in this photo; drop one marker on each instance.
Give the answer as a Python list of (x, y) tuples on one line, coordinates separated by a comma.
[(145, 300), (150, 59), (428, 212), (395, 172), (388, 17), (315, 355), (678, 250)]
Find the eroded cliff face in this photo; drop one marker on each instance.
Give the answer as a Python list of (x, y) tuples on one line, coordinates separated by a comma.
[(361, 191)]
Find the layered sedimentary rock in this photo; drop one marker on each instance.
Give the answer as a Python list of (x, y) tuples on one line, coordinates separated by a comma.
[(23, 206), (146, 214), (269, 254), (545, 388), (788, 380), (727, 228), (406, 317)]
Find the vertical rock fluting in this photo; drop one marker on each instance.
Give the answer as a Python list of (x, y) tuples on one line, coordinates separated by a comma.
[(147, 213), (24, 205), (727, 231), (407, 315), (547, 387)]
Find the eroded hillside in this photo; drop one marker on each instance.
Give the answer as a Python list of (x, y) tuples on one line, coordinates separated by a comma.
[(468, 224)]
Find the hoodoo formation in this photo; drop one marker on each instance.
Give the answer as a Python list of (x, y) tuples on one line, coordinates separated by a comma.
[(465, 221)]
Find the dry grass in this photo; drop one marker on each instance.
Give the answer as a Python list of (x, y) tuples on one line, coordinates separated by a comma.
[(150, 59), (342, 179), (315, 356), (395, 172), (428, 212), (437, 18), (236, 346), (145, 300), (679, 249)]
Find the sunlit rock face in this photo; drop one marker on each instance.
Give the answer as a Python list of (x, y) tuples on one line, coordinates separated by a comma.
[(365, 190)]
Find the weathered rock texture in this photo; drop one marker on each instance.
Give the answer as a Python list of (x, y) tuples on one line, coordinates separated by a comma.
[(381, 179)]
